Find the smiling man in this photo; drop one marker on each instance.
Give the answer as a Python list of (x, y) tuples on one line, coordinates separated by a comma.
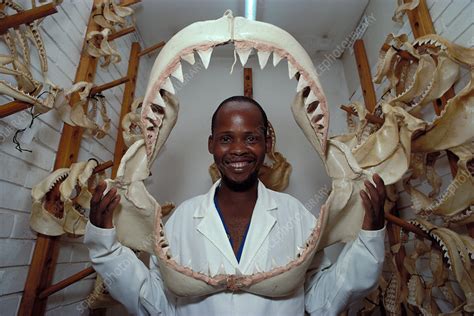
[(231, 229)]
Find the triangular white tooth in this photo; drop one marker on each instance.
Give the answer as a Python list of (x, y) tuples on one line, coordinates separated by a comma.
[(205, 56), (302, 83), (291, 70), (221, 269), (311, 98), (263, 58), (189, 263), (208, 270), (168, 85), (178, 73), (237, 272), (274, 264), (276, 58), (189, 58), (158, 100), (243, 54), (176, 259), (257, 269)]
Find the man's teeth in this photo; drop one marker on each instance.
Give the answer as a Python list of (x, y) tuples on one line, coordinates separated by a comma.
[(238, 164)]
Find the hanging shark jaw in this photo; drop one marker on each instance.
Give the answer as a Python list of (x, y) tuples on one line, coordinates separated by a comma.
[(202, 37)]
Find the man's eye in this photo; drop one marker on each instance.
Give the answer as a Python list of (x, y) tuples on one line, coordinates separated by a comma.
[(251, 138), (225, 139)]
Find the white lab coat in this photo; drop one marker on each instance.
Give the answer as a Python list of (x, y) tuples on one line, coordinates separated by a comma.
[(279, 225)]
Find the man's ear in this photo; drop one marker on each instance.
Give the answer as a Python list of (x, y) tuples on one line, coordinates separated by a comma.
[(210, 146), (268, 144)]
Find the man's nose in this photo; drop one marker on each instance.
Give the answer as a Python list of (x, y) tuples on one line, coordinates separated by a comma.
[(238, 147)]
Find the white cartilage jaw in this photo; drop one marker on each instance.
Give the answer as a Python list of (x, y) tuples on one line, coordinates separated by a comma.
[(311, 114)]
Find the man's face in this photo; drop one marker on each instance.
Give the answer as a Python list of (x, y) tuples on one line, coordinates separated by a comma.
[(238, 143)]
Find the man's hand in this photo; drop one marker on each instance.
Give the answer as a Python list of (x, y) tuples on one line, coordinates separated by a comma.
[(102, 207), (373, 199)]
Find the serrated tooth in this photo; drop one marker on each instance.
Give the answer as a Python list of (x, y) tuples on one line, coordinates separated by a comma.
[(291, 70), (208, 270), (205, 56), (311, 98), (189, 263), (221, 269), (189, 58), (237, 272), (244, 55), (178, 73), (256, 268), (176, 259), (158, 100), (302, 83), (274, 264), (276, 58), (168, 85), (263, 58)]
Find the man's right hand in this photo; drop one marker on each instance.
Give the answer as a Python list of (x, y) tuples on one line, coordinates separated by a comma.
[(102, 206)]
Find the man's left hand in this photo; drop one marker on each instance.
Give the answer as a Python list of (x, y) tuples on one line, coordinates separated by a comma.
[(373, 200)]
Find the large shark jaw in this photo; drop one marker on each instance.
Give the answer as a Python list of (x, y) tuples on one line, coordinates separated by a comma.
[(202, 37), (342, 212)]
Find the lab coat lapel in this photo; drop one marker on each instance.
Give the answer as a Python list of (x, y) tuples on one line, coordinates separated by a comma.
[(261, 224), (212, 228)]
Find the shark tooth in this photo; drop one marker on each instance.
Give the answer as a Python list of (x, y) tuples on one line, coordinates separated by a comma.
[(263, 58), (178, 73), (237, 272), (276, 58), (291, 70), (189, 58), (205, 56), (311, 98), (274, 264), (168, 85), (243, 55), (158, 100), (176, 259), (256, 268), (221, 269), (302, 83)]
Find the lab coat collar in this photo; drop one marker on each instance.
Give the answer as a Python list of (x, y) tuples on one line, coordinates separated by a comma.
[(261, 224)]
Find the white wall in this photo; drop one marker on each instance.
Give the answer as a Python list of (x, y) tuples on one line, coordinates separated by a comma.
[(181, 170), (63, 34)]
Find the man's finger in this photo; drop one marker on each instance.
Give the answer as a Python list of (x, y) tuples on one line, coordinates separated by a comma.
[(113, 204), (366, 203), (380, 185), (108, 198), (374, 195), (99, 191)]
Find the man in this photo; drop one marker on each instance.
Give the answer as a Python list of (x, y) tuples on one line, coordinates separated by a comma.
[(233, 226)]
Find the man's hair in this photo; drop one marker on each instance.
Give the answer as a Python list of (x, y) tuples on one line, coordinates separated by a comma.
[(241, 99)]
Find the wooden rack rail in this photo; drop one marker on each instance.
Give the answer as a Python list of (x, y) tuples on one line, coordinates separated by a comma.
[(43, 263), (27, 16), (121, 33), (369, 117), (109, 85), (151, 49)]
